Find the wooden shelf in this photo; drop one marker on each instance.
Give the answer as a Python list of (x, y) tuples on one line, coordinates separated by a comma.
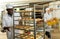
[(24, 27), (24, 11), (38, 19), (27, 22), (39, 11), (23, 36)]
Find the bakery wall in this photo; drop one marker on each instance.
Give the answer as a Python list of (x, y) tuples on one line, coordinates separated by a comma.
[(56, 7), (17, 2)]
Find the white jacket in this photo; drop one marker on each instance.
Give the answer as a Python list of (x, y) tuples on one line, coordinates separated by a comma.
[(8, 21), (47, 17)]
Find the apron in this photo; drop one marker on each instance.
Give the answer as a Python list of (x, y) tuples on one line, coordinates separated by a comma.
[(47, 17), (9, 34), (8, 22)]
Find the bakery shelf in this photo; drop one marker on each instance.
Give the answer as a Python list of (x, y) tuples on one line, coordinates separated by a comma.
[(23, 36), (32, 19), (24, 11), (31, 28), (24, 27), (30, 23)]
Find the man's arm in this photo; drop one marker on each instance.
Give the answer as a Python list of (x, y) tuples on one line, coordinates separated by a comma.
[(45, 18), (4, 25)]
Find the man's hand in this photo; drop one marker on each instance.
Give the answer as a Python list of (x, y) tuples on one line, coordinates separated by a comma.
[(6, 28), (3, 30)]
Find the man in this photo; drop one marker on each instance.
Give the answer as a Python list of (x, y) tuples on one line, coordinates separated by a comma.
[(47, 17), (8, 21)]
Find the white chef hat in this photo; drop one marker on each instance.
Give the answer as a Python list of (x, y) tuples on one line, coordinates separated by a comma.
[(9, 6), (47, 9)]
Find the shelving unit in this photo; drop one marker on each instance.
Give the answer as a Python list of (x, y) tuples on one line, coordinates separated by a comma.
[(29, 26)]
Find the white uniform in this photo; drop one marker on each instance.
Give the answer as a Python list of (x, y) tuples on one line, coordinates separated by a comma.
[(8, 22), (47, 17)]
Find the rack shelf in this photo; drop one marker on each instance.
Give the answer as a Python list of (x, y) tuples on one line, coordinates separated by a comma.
[(24, 11), (24, 36), (30, 24)]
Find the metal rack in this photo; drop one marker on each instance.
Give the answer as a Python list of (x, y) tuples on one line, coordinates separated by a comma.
[(30, 30)]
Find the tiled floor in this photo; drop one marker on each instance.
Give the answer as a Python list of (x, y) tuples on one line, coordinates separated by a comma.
[(55, 35), (2, 35)]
